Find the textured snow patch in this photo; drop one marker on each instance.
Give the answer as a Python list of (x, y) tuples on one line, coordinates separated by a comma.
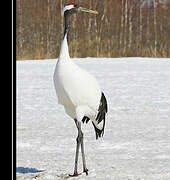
[(136, 143)]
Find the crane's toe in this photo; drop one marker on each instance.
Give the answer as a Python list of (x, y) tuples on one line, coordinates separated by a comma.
[(74, 175), (86, 171)]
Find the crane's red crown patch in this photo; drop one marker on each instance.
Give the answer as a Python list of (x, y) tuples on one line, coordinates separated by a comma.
[(72, 3)]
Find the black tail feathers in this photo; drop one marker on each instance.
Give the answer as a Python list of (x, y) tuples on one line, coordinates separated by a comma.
[(102, 110), (85, 119), (99, 133)]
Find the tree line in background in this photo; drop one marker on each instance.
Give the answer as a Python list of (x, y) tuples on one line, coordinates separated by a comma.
[(123, 28)]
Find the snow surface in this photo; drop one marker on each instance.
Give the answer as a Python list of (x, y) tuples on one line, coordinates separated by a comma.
[(136, 143)]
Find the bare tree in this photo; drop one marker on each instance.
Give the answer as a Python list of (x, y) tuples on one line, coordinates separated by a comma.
[(122, 28)]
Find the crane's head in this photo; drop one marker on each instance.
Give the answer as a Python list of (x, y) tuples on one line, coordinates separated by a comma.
[(72, 8)]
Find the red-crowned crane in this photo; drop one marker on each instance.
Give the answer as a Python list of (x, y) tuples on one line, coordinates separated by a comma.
[(78, 91)]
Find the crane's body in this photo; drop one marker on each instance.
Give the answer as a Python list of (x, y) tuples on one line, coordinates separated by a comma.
[(78, 91), (75, 87)]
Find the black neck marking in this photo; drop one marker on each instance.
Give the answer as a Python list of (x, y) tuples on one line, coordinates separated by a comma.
[(67, 23)]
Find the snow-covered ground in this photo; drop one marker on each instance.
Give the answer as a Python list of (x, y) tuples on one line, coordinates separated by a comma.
[(136, 143)]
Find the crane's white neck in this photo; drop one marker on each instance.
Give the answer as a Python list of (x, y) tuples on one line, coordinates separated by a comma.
[(64, 51)]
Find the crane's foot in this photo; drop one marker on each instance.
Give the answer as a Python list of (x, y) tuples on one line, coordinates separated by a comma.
[(74, 175), (77, 174), (86, 171)]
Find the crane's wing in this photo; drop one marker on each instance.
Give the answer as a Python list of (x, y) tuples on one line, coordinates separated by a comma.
[(102, 110)]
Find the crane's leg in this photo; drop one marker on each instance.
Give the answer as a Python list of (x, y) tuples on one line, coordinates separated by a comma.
[(79, 138), (83, 157), (79, 141)]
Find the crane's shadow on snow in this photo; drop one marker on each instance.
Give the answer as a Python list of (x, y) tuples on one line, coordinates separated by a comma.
[(28, 170)]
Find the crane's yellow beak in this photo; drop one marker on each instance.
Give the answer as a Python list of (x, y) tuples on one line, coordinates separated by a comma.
[(87, 10)]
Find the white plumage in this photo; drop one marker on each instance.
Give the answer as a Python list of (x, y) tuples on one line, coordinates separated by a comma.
[(77, 90)]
